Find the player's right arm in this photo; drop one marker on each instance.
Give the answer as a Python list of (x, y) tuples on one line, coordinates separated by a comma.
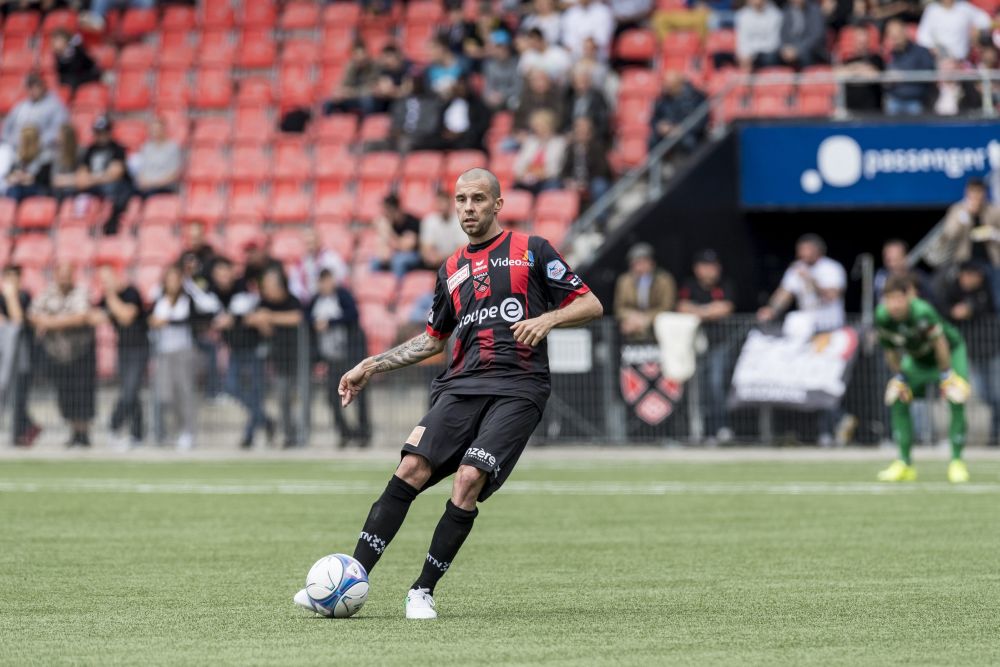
[(411, 352)]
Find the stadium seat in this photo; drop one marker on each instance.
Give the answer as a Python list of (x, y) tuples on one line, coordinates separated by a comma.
[(517, 206), (130, 133), (147, 281), (157, 246), (818, 81), (720, 41), (32, 251), (253, 127), (247, 209), (770, 106), (237, 238), (296, 87), (288, 209), (104, 55), (137, 58), (17, 63), (337, 238), (375, 128), (381, 167), (292, 164), (460, 161), (287, 245), (562, 205), (423, 166), (216, 15), (213, 89), (416, 284), (211, 132), (254, 92), (172, 90), (115, 250), (636, 82), (177, 19), (91, 97), (334, 167), (633, 111), (206, 208), (163, 209), (82, 211), (417, 43), (5, 245), (251, 165), (821, 105), (138, 22), (773, 82), (300, 16), (337, 42), (378, 288), (342, 14), (553, 230), (681, 44), (257, 50), (59, 19), (300, 51), (259, 14), (216, 49), (368, 205), (21, 24), (36, 213), (502, 166), (635, 45), (175, 51), (207, 165), (417, 197), (132, 92), (333, 209), (74, 246), (8, 213), (178, 124), (338, 129)]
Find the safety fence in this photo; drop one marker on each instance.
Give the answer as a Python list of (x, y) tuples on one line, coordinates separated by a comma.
[(605, 390)]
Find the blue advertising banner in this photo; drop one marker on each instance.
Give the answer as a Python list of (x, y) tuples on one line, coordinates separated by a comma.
[(864, 164)]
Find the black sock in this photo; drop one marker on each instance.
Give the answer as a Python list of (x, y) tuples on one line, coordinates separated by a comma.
[(383, 522), (454, 526)]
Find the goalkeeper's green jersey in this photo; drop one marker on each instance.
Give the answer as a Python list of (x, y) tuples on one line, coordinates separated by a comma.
[(916, 334)]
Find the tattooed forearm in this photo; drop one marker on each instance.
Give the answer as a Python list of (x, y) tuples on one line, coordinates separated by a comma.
[(412, 351)]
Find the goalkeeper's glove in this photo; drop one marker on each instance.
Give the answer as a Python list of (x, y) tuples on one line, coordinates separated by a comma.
[(898, 390), (955, 388)]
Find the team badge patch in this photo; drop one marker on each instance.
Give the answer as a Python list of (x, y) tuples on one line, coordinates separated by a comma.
[(481, 275), (555, 269), (457, 278), (415, 435)]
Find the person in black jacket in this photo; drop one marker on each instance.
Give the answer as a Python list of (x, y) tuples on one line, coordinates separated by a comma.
[(465, 118), (678, 100), (584, 100), (585, 168), (340, 342), (73, 63)]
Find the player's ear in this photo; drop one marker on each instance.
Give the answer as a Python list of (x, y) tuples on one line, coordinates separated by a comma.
[(498, 204)]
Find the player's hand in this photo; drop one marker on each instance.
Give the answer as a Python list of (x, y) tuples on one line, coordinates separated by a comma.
[(532, 332), (955, 388), (352, 383), (898, 390)]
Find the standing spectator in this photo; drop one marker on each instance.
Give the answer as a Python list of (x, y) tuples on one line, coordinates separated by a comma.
[(948, 28), (969, 303), (160, 162), (258, 260), (174, 354), (466, 119), (587, 18), (103, 173), (65, 163), (540, 93), (758, 34), (537, 53), (29, 175), (895, 263), (630, 14), (642, 293), (14, 306), (416, 119), (201, 251), (440, 233), (501, 80), (708, 296), (73, 63), (545, 18), (538, 164), (63, 323), (585, 166), (456, 32), (678, 100), (908, 99), (277, 320), (815, 282), (803, 34), (303, 278), (354, 93), (43, 109), (863, 61), (340, 342), (398, 234), (124, 308), (445, 68), (392, 82), (585, 100)]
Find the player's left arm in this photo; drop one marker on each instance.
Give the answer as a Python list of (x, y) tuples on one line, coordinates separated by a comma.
[(578, 312), (942, 353)]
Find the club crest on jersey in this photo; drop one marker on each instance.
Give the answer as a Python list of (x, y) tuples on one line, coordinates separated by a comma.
[(481, 275), (555, 269), (457, 278)]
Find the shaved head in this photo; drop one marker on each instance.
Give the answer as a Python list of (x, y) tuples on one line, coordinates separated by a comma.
[(480, 174)]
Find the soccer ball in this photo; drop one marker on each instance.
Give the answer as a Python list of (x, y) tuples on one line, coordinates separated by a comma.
[(337, 585)]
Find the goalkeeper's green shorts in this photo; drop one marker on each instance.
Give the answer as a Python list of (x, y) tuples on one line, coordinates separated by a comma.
[(920, 373)]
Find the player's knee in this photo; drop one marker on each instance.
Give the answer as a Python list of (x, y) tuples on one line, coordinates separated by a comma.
[(469, 481), (414, 470)]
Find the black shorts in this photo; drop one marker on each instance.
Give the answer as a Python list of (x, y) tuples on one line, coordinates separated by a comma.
[(487, 432)]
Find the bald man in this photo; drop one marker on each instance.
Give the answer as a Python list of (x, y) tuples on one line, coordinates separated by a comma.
[(499, 297)]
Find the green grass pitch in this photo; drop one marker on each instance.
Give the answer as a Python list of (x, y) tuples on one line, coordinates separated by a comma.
[(585, 563)]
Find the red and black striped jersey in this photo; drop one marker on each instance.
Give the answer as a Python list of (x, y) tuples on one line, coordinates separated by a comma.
[(481, 292)]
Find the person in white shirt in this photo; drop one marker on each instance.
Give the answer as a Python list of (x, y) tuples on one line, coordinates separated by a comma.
[(440, 233), (303, 277), (948, 27), (758, 34), (588, 18), (536, 53), (546, 17), (815, 283)]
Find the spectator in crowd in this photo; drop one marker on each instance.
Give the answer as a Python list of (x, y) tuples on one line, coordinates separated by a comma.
[(201, 250), (476, 48), (758, 34), (538, 164), (585, 100), (398, 234), (303, 277), (258, 260), (73, 63), (948, 28), (711, 298), (954, 97), (604, 78), (355, 92), (678, 100), (882, 11), (642, 293), (445, 68), (29, 174), (585, 166), (440, 233), (501, 80), (65, 163), (392, 82), (904, 56), (895, 263), (122, 305), (99, 10), (969, 303), (815, 283), (102, 173), (803, 34), (546, 18), (160, 162), (416, 119), (15, 303), (175, 356), (466, 118), (340, 342), (539, 93), (43, 109), (630, 14), (456, 32), (245, 373), (277, 319), (863, 61), (538, 54), (587, 18), (63, 323)]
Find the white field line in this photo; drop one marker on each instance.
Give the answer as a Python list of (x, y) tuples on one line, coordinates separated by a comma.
[(541, 488)]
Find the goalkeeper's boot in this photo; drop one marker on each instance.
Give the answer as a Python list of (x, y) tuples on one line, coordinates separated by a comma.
[(958, 473), (898, 471)]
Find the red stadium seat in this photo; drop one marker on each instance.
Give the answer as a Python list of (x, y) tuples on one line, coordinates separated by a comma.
[(8, 213), (818, 81), (721, 41), (147, 281), (5, 245), (207, 165), (175, 51), (773, 82), (681, 43), (423, 12), (18, 62), (517, 206), (287, 245), (211, 132), (379, 288), (330, 78), (552, 230), (238, 237), (59, 19), (416, 284), (32, 251), (336, 237), (259, 14), (296, 86), (336, 129), (333, 209), (23, 24), (216, 14), (74, 246), (342, 14), (292, 164), (381, 167), (157, 246), (821, 104), (337, 42), (177, 19), (290, 208), (561, 205), (82, 211), (104, 55), (213, 89), (375, 128), (297, 52), (636, 44), (300, 16), (423, 166), (11, 91), (629, 153), (460, 161), (91, 97), (254, 127), (216, 49), (164, 209), (132, 92), (251, 165), (247, 209), (36, 213), (206, 208), (637, 82), (417, 42), (258, 92), (335, 168), (130, 133), (178, 125), (368, 204), (417, 197), (138, 22), (380, 327), (502, 166), (257, 50), (115, 250), (633, 112), (172, 90), (771, 106)]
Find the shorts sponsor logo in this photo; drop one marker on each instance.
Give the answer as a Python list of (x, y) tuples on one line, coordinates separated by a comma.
[(511, 310), (481, 455), (555, 269), (457, 278), (415, 435)]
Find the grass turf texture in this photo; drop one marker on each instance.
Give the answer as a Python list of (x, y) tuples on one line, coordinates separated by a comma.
[(686, 563)]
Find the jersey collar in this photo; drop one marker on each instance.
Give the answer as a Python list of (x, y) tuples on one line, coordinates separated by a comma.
[(500, 239)]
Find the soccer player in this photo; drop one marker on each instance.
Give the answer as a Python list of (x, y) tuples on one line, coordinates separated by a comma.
[(921, 348), (495, 296)]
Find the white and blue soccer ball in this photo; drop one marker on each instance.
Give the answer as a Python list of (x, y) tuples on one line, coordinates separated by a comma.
[(337, 586)]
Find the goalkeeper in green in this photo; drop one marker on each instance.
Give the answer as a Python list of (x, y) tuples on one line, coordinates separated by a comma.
[(921, 349)]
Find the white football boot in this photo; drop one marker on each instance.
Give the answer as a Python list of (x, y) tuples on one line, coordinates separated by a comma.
[(420, 604), (303, 600)]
